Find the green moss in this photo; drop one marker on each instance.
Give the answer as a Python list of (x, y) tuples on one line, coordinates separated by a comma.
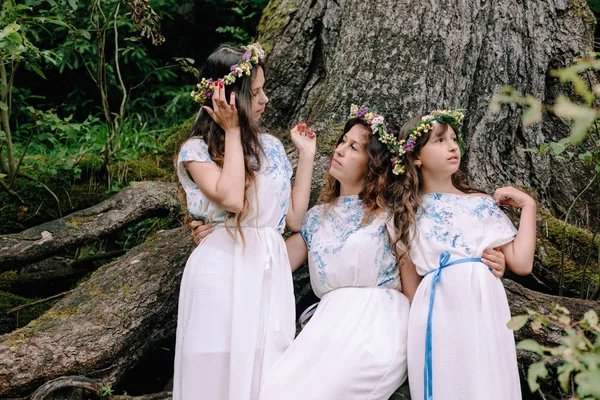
[(39, 206), (19, 318), (76, 222), (173, 138), (7, 279), (145, 169), (273, 21), (581, 8), (578, 245)]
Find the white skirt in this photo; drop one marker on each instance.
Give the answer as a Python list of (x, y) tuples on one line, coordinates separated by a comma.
[(353, 348), (473, 351), (236, 315)]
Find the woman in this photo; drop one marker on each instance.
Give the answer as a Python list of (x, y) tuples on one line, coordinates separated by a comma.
[(236, 304)]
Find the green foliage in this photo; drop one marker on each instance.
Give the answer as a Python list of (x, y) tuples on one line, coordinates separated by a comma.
[(579, 350), (579, 111), (246, 13)]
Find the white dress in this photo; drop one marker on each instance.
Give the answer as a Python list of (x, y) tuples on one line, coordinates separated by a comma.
[(354, 347), (473, 352), (236, 304)]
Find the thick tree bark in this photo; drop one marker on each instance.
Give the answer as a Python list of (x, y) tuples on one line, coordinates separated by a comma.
[(404, 57), (133, 204), (106, 324)]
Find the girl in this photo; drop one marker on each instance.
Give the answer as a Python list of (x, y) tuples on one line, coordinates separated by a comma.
[(458, 341), (236, 304), (354, 347)]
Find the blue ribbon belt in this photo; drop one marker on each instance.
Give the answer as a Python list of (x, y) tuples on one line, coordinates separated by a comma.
[(437, 273)]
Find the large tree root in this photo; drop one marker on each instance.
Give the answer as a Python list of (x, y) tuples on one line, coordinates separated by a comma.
[(133, 204)]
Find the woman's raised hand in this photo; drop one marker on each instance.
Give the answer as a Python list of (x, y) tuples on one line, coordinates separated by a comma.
[(226, 115), (304, 139)]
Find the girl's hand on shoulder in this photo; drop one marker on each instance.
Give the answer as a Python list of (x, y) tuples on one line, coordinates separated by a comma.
[(513, 197), (226, 115), (304, 139)]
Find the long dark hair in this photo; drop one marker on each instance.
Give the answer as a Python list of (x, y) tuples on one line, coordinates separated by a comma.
[(407, 204), (216, 66), (379, 185)]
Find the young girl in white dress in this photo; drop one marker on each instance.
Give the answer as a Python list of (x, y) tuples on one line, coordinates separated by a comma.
[(236, 304), (459, 347), (354, 346)]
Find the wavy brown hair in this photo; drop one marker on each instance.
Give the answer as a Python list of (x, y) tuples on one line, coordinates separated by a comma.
[(216, 66), (380, 184), (408, 203)]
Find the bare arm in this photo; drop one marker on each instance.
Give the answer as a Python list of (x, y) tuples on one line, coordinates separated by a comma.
[(305, 142), (519, 253), (297, 250), (224, 186), (409, 276)]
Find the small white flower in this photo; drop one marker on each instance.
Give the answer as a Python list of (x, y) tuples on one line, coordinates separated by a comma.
[(378, 120)]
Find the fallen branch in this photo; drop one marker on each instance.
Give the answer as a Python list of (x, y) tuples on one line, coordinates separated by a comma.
[(33, 303), (132, 204)]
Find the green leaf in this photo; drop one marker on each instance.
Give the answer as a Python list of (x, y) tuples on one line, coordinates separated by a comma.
[(73, 4), (536, 370), (517, 322), (36, 69), (15, 37), (530, 345), (588, 383), (533, 113), (586, 157), (564, 375), (592, 360), (591, 317), (581, 116)]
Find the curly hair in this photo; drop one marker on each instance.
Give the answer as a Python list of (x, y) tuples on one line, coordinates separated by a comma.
[(407, 204), (380, 185)]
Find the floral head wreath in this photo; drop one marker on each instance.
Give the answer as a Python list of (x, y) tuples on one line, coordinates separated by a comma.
[(400, 147), (253, 55)]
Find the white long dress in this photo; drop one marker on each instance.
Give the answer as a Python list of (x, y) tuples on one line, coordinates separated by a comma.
[(354, 347), (473, 351), (236, 305)]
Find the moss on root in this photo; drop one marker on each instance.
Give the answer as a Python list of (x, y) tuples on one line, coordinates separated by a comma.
[(579, 250), (273, 21), (9, 322)]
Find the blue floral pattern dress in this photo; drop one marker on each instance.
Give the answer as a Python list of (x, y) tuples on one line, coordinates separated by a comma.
[(236, 304), (473, 351), (354, 347)]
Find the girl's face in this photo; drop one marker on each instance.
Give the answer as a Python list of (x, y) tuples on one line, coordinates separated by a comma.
[(350, 160), (259, 98), (440, 156)]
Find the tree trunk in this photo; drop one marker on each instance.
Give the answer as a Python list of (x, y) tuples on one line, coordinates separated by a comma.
[(404, 57), (133, 204), (106, 324)]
